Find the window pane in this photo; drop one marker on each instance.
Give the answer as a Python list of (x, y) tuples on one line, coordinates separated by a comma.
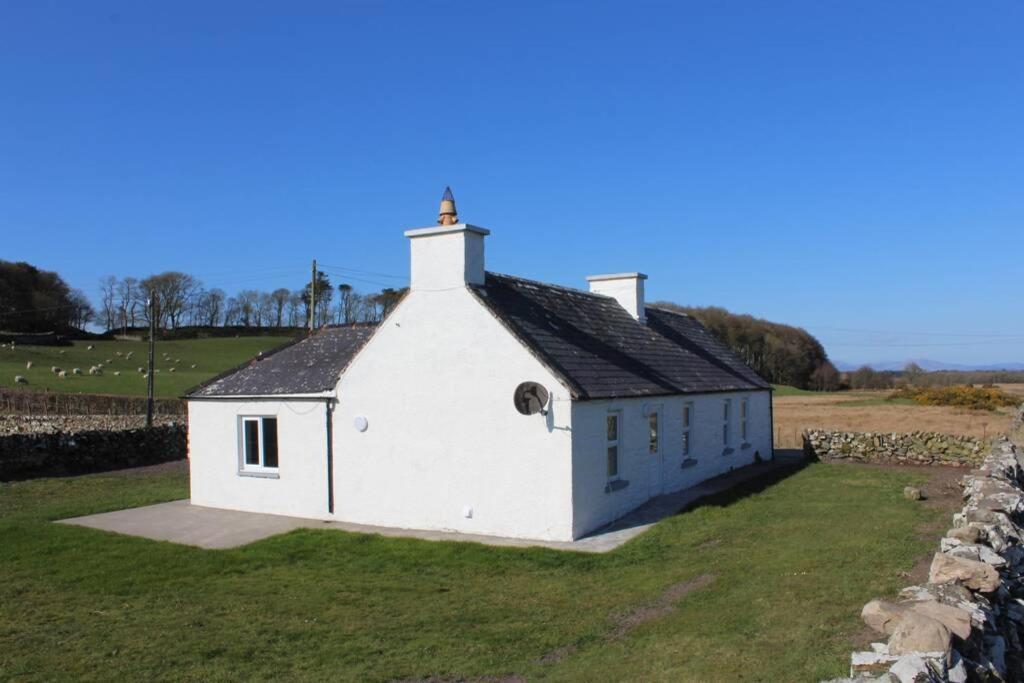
[(725, 434), (743, 429), (270, 442), (251, 437), (725, 410), (613, 461), (686, 443), (613, 428), (686, 416), (653, 422), (743, 408)]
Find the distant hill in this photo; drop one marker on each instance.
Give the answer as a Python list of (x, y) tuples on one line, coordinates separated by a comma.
[(928, 365)]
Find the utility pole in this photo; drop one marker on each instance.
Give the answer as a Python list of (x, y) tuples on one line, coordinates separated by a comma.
[(151, 303), (312, 299)]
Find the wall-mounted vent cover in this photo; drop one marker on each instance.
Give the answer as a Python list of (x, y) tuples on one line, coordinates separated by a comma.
[(530, 398)]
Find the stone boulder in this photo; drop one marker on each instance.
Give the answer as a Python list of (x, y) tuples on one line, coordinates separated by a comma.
[(885, 617), (976, 575), (916, 633)]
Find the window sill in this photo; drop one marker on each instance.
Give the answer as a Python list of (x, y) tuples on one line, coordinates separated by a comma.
[(688, 462), (728, 451), (259, 475), (615, 485)]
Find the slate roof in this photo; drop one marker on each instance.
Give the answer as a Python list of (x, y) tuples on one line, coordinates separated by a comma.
[(309, 366), (600, 351)]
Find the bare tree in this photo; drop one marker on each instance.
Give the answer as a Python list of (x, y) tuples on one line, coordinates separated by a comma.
[(127, 300), (347, 300), (247, 300), (264, 309), (174, 293), (232, 312), (209, 306), (108, 301), (280, 298), (294, 308), (81, 311)]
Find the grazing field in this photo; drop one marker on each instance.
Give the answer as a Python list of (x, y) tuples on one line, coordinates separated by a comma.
[(871, 411), (174, 362), (761, 584)]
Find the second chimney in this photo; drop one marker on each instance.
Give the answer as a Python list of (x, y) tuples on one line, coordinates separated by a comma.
[(626, 288)]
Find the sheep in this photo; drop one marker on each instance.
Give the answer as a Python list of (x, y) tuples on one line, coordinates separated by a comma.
[(109, 361), (172, 370), (117, 353), (89, 347), (61, 352), (62, 374), (28, 365), (177, 360), (95, 371), (142, 371), (193, 366), (18, 379), (76, 371), (127, 355), (117, 373), (54, 369)]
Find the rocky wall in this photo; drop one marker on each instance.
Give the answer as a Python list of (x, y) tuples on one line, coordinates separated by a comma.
[(59, 452), (915, 448), (965, 623)]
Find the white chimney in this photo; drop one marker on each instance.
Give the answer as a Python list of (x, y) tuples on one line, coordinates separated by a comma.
[(446, 256), (626, 288)]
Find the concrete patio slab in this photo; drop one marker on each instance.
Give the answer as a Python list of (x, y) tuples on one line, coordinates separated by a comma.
[(181, 522)]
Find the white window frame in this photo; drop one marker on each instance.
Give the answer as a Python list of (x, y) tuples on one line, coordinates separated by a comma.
[(615, 443), (726, 422), (260, 468), (654, 435), (687, 423), (744, 409)]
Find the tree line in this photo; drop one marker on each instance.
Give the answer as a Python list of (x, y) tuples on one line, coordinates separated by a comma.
[(781, 354), (181, 300), (35, 300)]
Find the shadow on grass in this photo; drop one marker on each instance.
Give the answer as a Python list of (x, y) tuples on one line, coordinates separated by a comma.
[(791, 460), (719, 491)]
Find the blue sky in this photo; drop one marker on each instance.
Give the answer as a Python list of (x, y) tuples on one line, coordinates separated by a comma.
[(855, 168)]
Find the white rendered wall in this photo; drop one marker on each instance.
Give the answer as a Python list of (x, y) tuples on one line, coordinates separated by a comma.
[(213, 436), (649, 474), (435, 384)]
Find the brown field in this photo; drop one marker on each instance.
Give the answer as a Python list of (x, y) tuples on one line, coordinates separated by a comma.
[(867, 411)]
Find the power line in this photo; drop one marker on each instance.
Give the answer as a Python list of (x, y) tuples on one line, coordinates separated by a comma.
[(366, 272)]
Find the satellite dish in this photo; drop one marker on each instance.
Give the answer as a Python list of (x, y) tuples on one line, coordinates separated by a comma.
[(530, 398)]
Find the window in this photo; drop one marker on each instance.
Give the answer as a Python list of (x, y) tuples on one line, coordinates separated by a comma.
[(613, 445), (743, 419), (726, 416), (652, 423), (687, 420), (259, 444)]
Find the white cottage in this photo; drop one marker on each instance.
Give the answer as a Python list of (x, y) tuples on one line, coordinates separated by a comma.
[(411, 423)]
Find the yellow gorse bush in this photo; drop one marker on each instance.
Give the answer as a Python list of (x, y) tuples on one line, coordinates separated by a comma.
[(961, 396)]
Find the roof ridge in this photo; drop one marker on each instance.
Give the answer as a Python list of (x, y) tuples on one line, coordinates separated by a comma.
[(563, 288), (664, 309)]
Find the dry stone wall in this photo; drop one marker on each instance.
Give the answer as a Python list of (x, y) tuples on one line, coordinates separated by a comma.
[(62, 449), (965, 623), (915, 448)]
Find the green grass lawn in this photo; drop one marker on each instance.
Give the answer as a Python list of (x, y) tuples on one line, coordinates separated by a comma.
[(789, 568), (210, 356), (787, 390)]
